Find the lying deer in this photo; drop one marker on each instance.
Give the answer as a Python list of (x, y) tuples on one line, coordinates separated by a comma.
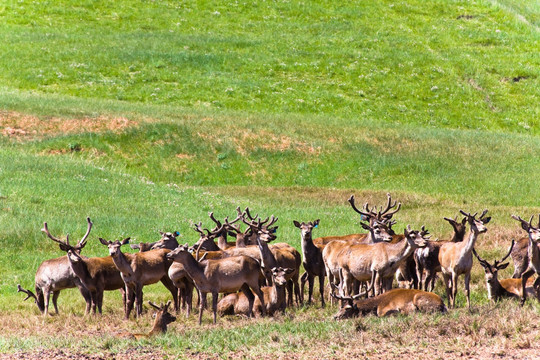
[(274, 297), (162, 319), (221, 276), (403, 301), (505, 288), (55, 275)]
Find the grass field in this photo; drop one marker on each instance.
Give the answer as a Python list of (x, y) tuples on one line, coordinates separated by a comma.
[(145, 116)]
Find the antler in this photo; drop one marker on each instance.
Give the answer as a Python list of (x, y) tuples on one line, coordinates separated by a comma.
[(388, 215), (155, 306), (483, 262), (82, 242), (65, 245), (45, 229), (211, 214), (27, 292), (368, 214), (198, 228), (507, 255)]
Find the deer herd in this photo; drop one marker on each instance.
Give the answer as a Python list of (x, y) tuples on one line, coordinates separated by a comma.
[(260, 277)]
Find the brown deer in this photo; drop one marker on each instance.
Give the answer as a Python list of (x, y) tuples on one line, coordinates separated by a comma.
[(55, 275), (403, 301), (274, 297), (96, 274), (505, 288), (312, 260), (162, 318), (138, 270), (382, 216), (427, 258), (167, 241), (221, 276), (533, 255), (379, 261), (456, 257)]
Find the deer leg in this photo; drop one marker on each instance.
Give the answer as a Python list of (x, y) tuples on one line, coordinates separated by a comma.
[(214, 304), (165, 280), (251, 298), (100, 301), (93, 294), (46, 296), (303, 280), (130, 298), (260, 295), (55, 299), (321, 288), (311, 282), (86, 295), (447, 285), (454, 289), (524, 277), (467, 292), (290, 295), (202, 304), (296, 285)]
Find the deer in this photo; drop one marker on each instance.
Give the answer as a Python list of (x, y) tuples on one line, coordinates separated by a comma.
[(456, 257), (334, 253), (162, 318), (379, 261), (402, 301), (221, 276), (533, 255), (274, 297), (56, 274), (383, 216), (505, 288), (96, 274), (167, 241), (427, 258), (520, 256), (137, 270), (312, 259)]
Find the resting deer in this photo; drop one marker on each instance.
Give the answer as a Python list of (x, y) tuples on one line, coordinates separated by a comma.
[(162, 318), (403, 301), (96, 274), (137, 270), (427, 258), (383, 216), (506, 288), (167, 241), (274, 297), (55, 275), (221, 276), (456, 258), (533, 255), (313, 261)]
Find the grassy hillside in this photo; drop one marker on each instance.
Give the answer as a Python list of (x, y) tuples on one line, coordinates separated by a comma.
[(145, 116)]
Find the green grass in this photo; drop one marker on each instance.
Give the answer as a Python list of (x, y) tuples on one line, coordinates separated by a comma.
[(285, 107)]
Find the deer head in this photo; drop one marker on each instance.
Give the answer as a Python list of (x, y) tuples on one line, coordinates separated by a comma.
[(114, 246), (306, 228), (477, 225), (383, 215), (379, 231), (534, 232), (492, 269), (65, 245)]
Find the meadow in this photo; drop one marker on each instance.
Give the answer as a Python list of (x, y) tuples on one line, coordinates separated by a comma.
[(145, 116)]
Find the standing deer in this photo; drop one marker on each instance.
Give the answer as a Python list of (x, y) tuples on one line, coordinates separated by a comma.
[(96, 274), (221, 276), (313, 261), (137, 270), (167, 241), (533, 254), (506, 288), (55, 275), (274, 297), (404, 301), (427, 258), (456, 258)]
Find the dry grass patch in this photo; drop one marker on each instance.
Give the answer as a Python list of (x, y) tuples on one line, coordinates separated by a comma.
[(24, 127)]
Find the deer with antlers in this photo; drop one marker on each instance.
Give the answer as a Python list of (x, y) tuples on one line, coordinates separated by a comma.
[(138, 270), (162, 318), (221, 276), (167, 241), (96, 274), (427, 258), (55, 275), (505, 288), (533, 255), (456, 257)]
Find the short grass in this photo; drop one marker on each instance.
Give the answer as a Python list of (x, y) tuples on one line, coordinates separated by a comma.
[(146, 116)]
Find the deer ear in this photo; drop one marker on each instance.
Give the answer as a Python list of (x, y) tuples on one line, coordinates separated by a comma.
[(125, 241), (104, 242), (296, 223), (231, 234), (503, 266), (365, 226), (176, 233), (316, 223), (486, 220)]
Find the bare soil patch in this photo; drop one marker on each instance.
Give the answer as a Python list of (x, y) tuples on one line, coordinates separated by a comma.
[(23, 127)]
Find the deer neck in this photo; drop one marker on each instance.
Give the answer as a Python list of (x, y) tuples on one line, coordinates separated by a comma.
[(194, 268), (80, 269), (159, 328), (122, 264), (307, 245), (277, 294), (268, 260), (222, 243), (496, 290), (398, 251), (534, 256), (468, 245)]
